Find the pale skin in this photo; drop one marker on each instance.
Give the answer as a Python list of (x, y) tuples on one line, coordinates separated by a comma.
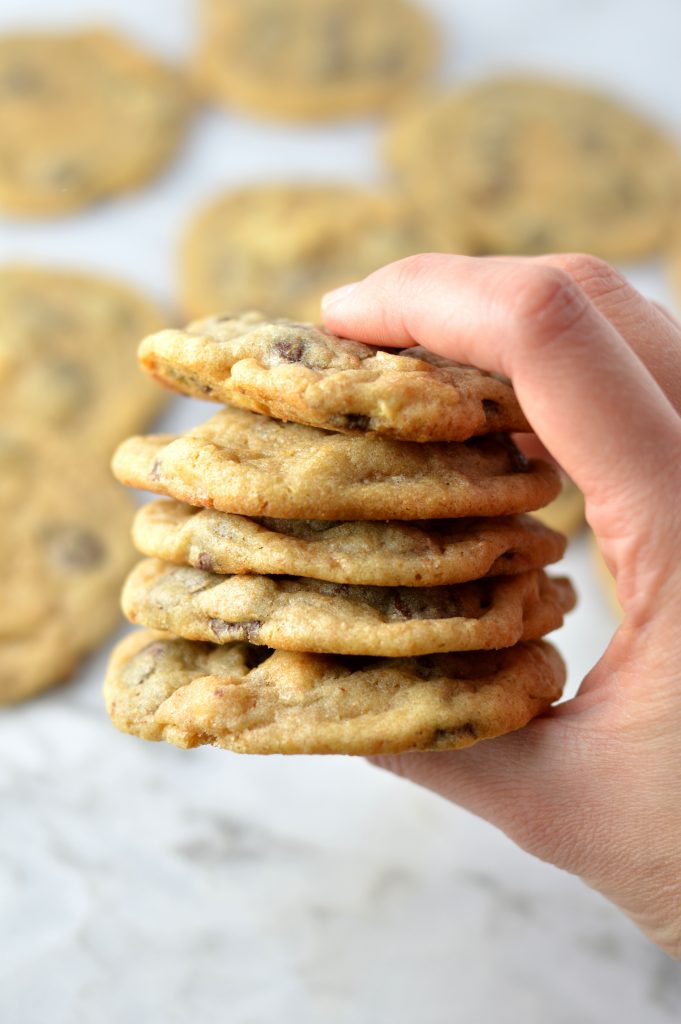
[(594, 785)]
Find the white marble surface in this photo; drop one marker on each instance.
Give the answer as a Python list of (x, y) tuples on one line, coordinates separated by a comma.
[(142, 883)]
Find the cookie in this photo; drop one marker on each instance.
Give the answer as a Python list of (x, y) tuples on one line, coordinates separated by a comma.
[(673, 264), (310, 59), (280, 247), (64, 551), (385, 554), (566, 512), (253, 700), (67, 366), (253, 465), (84, 115), (538, 166), (302, 373), (298, 614)]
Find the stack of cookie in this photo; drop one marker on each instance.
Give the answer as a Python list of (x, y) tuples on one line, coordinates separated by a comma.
[(345, 564)]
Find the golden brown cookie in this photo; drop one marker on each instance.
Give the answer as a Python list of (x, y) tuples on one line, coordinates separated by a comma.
[(299, 614), (256, 701), (301, 373), (253, 465), (312, 58), (280, 247), (673, 264), (64, 551), (387, 554), (538, 166), (84, 115), (67, 363)]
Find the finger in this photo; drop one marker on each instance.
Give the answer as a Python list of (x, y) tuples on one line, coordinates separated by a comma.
[(667, 313), (531, 784), (653, 334), (585, 392), (532, 447)]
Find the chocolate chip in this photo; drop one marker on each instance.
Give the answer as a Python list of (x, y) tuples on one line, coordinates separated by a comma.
[(143, 664), (490, 408), (518, 459), (626, 193), (389, 61), (356, 421), (66, 176), (22, 80), (499, 185), (592, 140), (70, 386), (234, 630), (537, 240), (206, 562), (444, 736), (186, 380), (72, 547), (290, 351)]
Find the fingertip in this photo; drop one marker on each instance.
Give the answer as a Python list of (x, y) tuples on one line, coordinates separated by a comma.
[(337, 295)]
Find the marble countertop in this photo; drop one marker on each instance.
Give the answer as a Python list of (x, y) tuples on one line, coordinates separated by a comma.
[(143, 883)]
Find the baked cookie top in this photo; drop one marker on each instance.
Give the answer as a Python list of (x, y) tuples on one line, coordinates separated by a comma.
[(312, 59), (299, 372), (280, 247), (256, 466), (64, 551), (257, 701), (67, 366), (416, 554), (84, 115), (538, 166), (299, 614)]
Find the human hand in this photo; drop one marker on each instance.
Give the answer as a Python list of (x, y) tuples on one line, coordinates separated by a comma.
[(594, 785)]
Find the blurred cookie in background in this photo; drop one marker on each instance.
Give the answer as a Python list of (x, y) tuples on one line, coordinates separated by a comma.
[(539, 166), (280, 247), (67, 357), (312, 59), (69, 390), (673, 265), (64, 551), (84, 115), (566, 512)]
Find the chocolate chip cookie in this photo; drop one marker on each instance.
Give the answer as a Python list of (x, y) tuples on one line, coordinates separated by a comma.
[(299, 372), (256, 466), (537, 166), (67, 366), (387, 554), (84, 115), (312, 58), (253, 700), (280, 247), (64, 551), (299, 614)]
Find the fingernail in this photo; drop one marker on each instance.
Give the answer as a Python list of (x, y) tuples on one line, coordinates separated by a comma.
[(338, 293)]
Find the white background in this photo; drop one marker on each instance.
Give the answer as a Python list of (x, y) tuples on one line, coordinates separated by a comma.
[(142, 883)]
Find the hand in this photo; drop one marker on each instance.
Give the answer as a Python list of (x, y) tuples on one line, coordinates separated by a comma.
[(594, 785)]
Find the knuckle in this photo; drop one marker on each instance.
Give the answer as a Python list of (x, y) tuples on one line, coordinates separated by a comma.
[(597, 277), (547, 303), (420, 264)]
